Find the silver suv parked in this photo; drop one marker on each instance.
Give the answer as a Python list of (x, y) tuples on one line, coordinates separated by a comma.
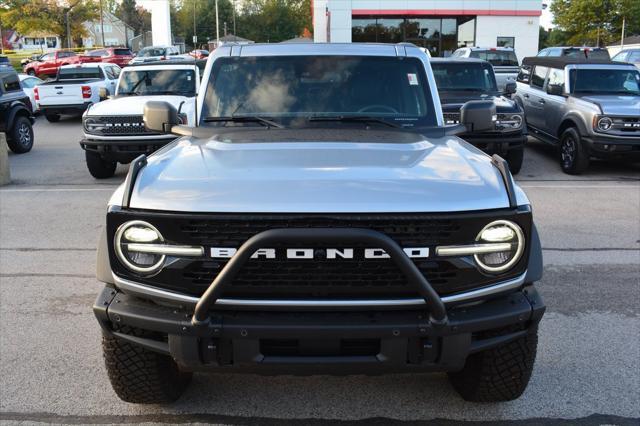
[(589, 109), (503, 59)]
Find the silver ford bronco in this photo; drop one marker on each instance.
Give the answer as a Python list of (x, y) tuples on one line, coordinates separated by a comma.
[(586, 107), (319, 219)]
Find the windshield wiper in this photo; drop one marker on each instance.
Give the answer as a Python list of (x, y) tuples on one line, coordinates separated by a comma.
[(245, 119), (353, 119)]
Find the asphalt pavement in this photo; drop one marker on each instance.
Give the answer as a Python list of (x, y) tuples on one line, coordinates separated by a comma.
[(51, 369)]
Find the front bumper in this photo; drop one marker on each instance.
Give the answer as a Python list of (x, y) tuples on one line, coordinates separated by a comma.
[(613, 147), (496, 143), (64, 109), (313, 342), (123, 151)]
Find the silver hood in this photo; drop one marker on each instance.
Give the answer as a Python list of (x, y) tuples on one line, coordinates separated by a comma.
[(616, 104), (411, 174)]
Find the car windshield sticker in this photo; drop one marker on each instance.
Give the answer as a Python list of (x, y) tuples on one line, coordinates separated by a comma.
[(413, 79)]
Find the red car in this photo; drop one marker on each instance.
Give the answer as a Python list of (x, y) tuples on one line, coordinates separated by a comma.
[(114, 55), (199, 53), (49, 63)]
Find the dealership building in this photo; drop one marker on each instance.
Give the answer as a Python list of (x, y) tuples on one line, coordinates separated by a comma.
[(438, 25)]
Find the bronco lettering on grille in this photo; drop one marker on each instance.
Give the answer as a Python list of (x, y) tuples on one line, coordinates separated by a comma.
[(325, 253)]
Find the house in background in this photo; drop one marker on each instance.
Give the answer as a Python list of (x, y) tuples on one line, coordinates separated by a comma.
[(632, 42), (116, 32)]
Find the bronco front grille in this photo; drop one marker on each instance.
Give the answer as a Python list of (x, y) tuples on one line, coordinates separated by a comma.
[(121, 125), (318, 277)]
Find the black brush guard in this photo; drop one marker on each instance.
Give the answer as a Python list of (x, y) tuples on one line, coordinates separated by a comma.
[(372, 238)]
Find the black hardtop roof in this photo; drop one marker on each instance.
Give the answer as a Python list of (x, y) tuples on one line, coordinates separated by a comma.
[(562, 61)]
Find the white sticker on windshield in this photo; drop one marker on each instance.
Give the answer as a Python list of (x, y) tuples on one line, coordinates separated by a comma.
[(188, 78), (413, 79)]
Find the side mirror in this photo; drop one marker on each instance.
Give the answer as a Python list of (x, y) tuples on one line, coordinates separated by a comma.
[(103, 94), (510, 88), (478, 116), (555, 89), (160, 116)]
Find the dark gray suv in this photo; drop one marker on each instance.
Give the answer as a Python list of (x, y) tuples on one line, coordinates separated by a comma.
[(587, 108)]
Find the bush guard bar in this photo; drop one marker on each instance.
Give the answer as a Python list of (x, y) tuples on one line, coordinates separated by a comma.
[(435, 305)]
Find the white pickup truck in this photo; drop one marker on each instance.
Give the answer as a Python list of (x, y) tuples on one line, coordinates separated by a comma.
[(75, 88), (114, 131)]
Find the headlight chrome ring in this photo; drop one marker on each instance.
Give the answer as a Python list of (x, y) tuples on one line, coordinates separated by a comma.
[(125, 259), (500, 231), (604, 124)]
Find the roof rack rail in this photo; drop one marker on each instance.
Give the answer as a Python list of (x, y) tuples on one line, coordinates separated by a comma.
[(132, 175), (503, 167)]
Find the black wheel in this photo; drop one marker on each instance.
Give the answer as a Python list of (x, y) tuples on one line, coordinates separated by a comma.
[(20, 138), (52, 118), (99, 167), (141, 376), (31, 72), (498, 374), (574, 157), (514, 158)]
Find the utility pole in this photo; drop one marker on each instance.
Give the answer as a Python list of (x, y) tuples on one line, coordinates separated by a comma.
[(235, 34), (1, 39), (68, 30), (102, 23), (217, 27), (622, 36), (195, 37), (225, 28)]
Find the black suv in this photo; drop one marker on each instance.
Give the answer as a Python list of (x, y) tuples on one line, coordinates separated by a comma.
[(15, 113), (462, 80)]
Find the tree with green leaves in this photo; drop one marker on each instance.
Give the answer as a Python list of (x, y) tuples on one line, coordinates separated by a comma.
[(133, 15), (588, 22), (49, 16), (274, 20), (205, 19)]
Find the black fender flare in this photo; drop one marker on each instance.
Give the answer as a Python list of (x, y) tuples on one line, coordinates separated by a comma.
[(575, 119), (535, 265), (18, 109)]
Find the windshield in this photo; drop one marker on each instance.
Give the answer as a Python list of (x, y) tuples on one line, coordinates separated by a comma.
[(605, 81), (464, 76), (299, 89), (121, 52), (157, 82), (152, 51), (497, 58), (79, 73)]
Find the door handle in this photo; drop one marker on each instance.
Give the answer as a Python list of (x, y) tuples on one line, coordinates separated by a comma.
[(526, 96), (542, 101)]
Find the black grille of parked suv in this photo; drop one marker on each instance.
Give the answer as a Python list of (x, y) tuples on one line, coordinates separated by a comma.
[(319, 277), (116, 125)]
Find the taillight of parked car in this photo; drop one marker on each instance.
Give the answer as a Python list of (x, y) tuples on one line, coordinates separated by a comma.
[(86, 92), (36, 95)]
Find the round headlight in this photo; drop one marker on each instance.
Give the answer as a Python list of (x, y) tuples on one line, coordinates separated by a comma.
[(605, 123), (517, 120), (500, 231), (136, 232), (94, 125)]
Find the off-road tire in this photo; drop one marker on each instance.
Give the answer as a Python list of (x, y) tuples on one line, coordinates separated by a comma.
[(498, 374), (52, 118), (579, 162), (141, 376), (515, 158), (20, 137), (98, 166)]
